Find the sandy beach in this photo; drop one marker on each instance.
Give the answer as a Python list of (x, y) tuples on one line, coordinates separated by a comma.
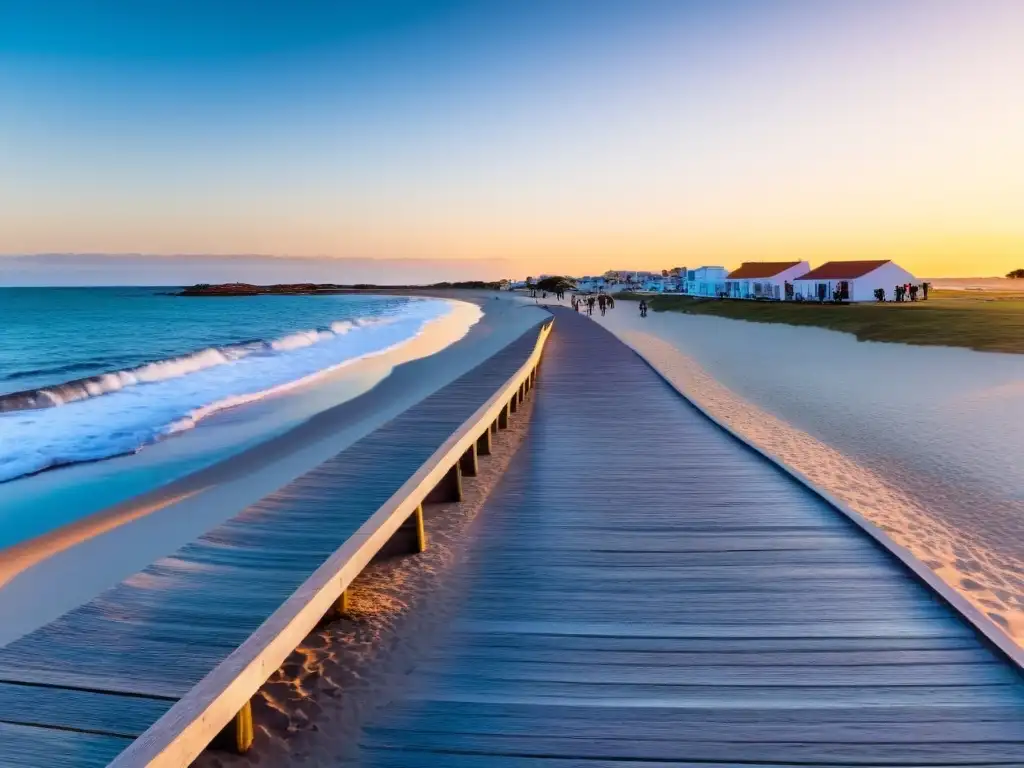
[(921, 441), (76, 561)]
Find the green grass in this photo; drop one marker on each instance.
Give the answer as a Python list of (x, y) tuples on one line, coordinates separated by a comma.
[(989, 321)]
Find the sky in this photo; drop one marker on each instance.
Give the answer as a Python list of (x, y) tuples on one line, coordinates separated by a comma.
[(510, 138)]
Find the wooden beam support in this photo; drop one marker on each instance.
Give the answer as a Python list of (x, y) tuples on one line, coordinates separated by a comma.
[(513, 404), (503, 417), (411, 536), (468, 463), (421, 531), (494, 427), (237, 735), (409, 539), (522, 392), (449, 489), (483, 443)]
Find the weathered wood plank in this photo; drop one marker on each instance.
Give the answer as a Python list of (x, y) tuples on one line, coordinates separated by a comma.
[(472, 655), (627, 724), (385, 757), (71, 709), (27, 747), (410, 713), (800, 752)]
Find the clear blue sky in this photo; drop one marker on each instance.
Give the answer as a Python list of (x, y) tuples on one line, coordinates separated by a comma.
[(580, 134)]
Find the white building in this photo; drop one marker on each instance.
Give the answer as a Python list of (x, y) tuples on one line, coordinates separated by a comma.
[(705, 281), (656, 284), (591, 284), (764, 279), (851, 280)]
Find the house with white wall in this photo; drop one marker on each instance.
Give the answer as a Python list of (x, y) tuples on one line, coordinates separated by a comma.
[(853, 280), (705, 281), (591, 284), (764, 279), (655, 284)]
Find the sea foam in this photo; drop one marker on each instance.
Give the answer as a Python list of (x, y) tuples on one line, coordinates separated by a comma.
[(122, 411)]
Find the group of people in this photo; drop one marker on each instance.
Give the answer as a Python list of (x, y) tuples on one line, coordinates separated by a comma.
[(901, 292), (557, 294), (603, 302), (905, 292)]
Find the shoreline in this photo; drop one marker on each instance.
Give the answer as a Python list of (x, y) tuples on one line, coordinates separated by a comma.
[(95, 552)]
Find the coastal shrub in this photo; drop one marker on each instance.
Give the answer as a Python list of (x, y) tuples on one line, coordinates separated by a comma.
[(555, 284)]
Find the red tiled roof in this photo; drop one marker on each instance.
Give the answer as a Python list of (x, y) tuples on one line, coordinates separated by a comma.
[(753, 269), (843, 270)]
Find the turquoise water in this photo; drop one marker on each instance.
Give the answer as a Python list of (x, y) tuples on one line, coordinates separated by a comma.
[(87, 374), (52, 335)]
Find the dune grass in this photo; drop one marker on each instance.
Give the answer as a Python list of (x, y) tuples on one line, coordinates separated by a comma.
[(990, 321)]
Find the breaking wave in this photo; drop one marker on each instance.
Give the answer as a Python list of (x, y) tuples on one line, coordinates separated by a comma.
[(120, 412)]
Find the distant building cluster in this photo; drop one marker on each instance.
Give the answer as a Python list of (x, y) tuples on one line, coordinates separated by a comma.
[(853, 281)]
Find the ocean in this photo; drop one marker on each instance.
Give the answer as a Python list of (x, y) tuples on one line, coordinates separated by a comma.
[(91, 373)]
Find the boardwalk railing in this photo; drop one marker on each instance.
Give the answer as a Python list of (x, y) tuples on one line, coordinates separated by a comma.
[(223, 696)]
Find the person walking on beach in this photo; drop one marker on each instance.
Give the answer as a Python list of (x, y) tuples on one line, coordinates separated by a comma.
[(590, 305), (643, 308)]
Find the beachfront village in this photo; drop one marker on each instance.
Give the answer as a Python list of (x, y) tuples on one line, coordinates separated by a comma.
[(833, 281)]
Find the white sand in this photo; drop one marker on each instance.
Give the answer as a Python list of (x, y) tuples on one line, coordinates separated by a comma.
[(52, 574), (923, 441)]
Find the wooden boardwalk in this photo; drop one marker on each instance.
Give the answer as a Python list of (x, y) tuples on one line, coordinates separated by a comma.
[(645, 591), (77, 692)]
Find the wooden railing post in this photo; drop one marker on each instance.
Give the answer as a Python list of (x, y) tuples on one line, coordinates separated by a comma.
[(483, 443), (449, 489), (468, 463), (237, 735), (421, 531)]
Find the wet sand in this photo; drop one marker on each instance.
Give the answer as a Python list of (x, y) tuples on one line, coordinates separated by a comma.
[(311, 711), (901, 452), (74, 563)]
